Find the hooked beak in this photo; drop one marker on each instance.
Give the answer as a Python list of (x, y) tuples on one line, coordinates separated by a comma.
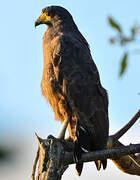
[(38, 22), (43, 19)]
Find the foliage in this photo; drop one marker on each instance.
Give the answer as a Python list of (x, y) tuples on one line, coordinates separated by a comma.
[(123, 63), (123, 40)]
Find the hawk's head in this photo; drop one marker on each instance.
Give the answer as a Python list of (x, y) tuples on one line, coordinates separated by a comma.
[(53, 15)]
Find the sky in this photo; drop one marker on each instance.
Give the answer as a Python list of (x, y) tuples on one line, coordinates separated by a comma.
[(23, 110)]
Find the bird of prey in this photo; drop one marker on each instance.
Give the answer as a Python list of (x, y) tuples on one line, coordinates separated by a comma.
[(71, 83)]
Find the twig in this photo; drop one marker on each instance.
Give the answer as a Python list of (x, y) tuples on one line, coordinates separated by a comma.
[(135, 160), (36, 157), (114, 138), (34, 165)]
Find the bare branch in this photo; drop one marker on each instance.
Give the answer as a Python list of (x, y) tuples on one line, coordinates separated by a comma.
[(114, 138), (126, 163), (54, 160), (34, 165), (55, 154), (114, 153)]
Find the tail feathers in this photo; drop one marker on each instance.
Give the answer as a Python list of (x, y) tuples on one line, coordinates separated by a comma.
[(77, 157), (79, 167), (99, 162), (81, 145)]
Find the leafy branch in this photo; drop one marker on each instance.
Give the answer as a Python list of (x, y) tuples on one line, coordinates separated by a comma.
[(123, 40)]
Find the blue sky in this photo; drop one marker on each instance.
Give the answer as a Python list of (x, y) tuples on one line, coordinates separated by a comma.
[(23, 110)]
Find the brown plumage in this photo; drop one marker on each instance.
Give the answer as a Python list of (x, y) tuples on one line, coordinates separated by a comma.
[(71, 83)]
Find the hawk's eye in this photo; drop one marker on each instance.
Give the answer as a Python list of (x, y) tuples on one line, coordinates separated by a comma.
[(44, 10)]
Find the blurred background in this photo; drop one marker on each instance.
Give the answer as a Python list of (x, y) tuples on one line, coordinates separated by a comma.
[(24, 111)]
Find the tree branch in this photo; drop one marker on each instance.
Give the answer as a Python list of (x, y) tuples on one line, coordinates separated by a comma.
[(114, 138), (126, 163), (113, 153), (54, 159), (34, 165), (55, 154)]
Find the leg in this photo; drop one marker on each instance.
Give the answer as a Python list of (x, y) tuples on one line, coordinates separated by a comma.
[(63, 130)]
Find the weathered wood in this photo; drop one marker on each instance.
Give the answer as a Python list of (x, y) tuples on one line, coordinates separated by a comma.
[(54, 159), (51, 153), (55, 154), (127, 164)]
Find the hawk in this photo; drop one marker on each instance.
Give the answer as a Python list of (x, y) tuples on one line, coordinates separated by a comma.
[(71, 83)]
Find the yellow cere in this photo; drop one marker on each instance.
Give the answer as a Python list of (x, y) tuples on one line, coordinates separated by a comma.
[(44, 17)]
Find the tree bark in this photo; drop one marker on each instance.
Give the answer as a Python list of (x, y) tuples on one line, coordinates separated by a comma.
[(55, 154), (54, 158)]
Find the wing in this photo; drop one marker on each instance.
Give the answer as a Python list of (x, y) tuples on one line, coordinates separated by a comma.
[(79, 79)]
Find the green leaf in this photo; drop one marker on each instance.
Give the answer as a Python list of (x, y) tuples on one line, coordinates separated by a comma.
[(114, 25), (123, 64), (134, 30)]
